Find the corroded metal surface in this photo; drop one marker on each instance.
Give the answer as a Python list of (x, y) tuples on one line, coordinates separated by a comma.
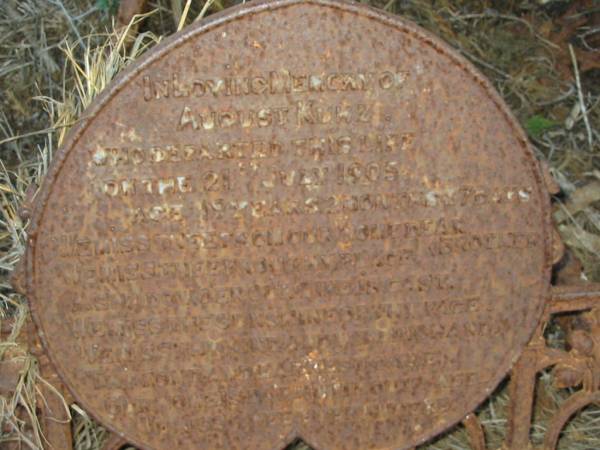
[(577, 367), (298, 218), (115, 442)]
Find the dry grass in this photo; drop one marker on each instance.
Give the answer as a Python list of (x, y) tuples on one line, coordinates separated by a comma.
[(56, 55)]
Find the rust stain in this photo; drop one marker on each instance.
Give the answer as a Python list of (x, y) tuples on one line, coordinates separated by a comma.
[(345, 238)]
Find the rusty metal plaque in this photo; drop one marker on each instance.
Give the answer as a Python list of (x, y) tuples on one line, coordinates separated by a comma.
[(295, 219)]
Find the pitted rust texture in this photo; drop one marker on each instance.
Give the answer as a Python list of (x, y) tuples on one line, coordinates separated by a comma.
[(578, 367), (115, 442), (298, 218)]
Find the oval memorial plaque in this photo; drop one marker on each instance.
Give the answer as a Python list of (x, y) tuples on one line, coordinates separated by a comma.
[(296, 218)]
